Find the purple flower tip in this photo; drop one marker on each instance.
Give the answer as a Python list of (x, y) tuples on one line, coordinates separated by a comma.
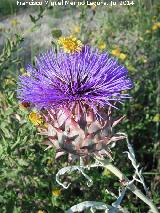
[(88, 78)]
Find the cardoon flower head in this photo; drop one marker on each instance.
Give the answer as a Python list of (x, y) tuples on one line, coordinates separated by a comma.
[(71, 90)]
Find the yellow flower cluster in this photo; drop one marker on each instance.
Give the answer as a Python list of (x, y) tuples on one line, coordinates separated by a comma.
[(35, 118), (102, 45), (116, 52), (56, 192), (156, 118), (70, 44), (156, 26)]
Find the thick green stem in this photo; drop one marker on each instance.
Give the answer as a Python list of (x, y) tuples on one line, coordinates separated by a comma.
[(131, 187)]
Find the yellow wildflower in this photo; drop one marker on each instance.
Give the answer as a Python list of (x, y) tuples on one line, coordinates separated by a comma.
[(70, 44), (40, 211), (156, 118), (49, 162), (148, 31), (116, 52), (22, 70), (56, 192), (35, 118), (76, 29), (106, 172), (122, 56), (156, 26), (102, 45)]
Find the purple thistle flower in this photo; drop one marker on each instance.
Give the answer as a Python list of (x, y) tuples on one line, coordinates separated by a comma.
[(89, 78)]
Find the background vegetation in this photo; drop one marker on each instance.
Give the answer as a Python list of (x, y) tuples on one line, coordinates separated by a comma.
[(27, 172)]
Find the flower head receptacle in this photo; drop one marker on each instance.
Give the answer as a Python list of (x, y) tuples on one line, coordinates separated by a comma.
[(74, 94)]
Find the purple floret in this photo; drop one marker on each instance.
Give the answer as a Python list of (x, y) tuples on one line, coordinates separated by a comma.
[(88, 77)]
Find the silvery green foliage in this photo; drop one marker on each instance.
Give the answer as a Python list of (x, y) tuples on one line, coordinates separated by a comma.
[(116, 204), (70, 169), (132, 158), (92, 205), (89, 205)]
